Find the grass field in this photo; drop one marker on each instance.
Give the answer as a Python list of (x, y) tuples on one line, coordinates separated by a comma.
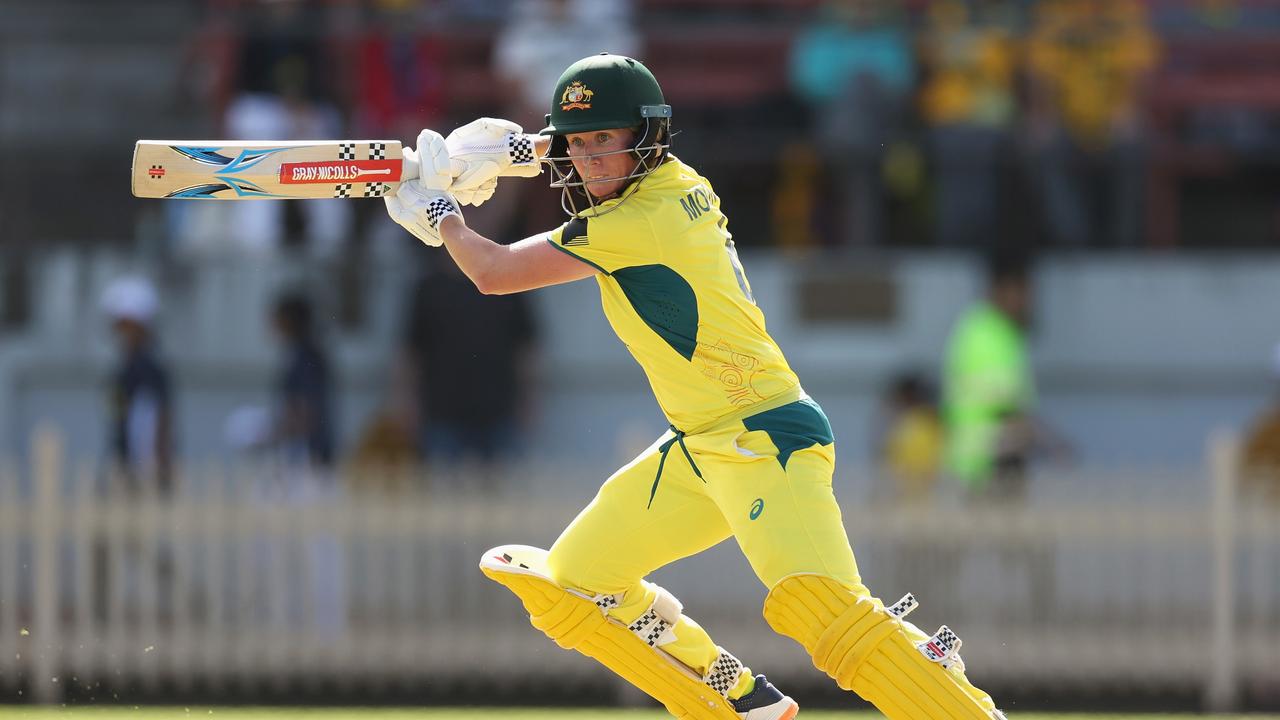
[(280, 713)]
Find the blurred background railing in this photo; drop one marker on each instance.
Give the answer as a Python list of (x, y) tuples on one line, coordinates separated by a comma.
[(242, 577)]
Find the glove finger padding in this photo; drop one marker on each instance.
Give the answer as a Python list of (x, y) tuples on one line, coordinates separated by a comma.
[(406, 219), (420, 211), (435, 170), (476, 196)]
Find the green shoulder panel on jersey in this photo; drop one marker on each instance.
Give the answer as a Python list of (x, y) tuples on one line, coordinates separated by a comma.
[(794, 426), (665, 301)]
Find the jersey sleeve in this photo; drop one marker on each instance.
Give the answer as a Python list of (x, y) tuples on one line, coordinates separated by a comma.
[(609, 243)]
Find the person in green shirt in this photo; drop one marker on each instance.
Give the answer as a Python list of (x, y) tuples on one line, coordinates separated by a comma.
[(989, 393), (989, 403)]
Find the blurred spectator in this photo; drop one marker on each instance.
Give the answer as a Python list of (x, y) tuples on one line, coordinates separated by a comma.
[(989, 395), (538, 41), (141, 429), (384, 454), (285, 94), (854, 67), (303, 431), (908, 450), (908, 446), (967, 100), (141, 442), (1260, 461), (398, 86), (989, 412), (1201, 16), (1087, 63), (302, 441), (796, 196), (543, 37), (469, 360)]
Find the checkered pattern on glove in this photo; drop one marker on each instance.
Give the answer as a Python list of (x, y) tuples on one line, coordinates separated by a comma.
[(437, 210), (420, 211), (520, 147), (484, 150)]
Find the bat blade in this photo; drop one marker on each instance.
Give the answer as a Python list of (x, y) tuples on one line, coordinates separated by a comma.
[(264, 169)]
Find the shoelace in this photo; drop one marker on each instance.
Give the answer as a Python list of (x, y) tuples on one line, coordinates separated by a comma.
[(665, 448)]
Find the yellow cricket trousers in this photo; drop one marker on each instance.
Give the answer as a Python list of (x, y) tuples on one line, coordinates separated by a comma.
[(764, 479)]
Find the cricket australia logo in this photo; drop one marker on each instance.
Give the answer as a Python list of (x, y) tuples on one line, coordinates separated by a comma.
[(576, 97)]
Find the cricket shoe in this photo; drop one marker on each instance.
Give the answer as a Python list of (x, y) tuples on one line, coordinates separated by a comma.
[(765, 702)]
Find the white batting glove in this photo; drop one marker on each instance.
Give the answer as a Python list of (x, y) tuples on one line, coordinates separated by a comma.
[(438, 174), (477, 195), (429, 162), (484, 149), (420, 210)]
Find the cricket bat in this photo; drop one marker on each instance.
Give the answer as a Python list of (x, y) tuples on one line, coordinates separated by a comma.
[(263, 169)]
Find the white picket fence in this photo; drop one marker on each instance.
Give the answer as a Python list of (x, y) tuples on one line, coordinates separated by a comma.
[(229, 579)]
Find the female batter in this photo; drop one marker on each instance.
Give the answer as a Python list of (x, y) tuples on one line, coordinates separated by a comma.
[(748, 453)]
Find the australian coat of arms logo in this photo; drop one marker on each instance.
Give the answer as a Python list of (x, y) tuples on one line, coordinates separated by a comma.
[(576, 97)]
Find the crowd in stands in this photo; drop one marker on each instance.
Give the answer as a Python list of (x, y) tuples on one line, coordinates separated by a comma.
[(948, 123)]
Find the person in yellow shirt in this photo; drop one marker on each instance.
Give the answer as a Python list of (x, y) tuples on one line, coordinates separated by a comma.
[(1260, 451), (909, 441), (968, 102), (748, 453), (1087, 61)]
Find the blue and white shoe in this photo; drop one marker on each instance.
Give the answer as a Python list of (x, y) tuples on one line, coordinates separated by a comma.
[(765, 702)]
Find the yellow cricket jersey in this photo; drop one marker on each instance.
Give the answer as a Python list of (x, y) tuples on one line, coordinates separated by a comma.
[(676, 295)]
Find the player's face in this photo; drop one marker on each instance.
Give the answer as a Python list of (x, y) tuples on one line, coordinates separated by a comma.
[(601, 158)]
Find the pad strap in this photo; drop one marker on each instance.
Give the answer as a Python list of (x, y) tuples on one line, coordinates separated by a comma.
[(578, 621), (942, 647), (903, 607), (723, 673), (656, 626)]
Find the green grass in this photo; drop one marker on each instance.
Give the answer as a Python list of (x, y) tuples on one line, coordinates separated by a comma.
[(276, 713)]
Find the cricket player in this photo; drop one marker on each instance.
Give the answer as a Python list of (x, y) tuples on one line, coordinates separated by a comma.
[(748, 453)]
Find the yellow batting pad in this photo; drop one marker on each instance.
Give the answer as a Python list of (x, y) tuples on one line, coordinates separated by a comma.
[(869, 650), (575, 622)]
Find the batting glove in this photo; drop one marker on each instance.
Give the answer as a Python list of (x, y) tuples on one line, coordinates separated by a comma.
[(484, 149), (420, 210), (429, 162)]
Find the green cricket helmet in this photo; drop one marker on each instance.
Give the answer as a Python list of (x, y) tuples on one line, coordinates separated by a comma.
[(605, 92)]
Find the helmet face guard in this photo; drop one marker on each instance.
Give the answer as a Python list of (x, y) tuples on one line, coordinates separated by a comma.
[(649, 150)]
